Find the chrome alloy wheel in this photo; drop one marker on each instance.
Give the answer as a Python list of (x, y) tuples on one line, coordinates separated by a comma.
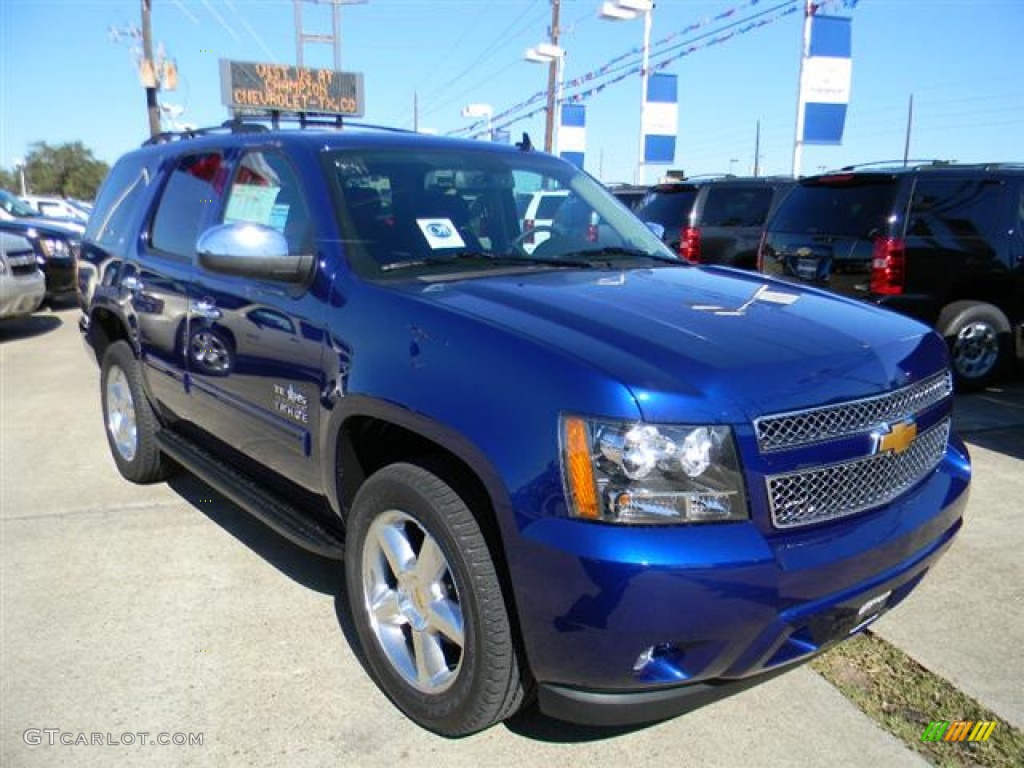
[(412, 600), (121, 414), (975, 349)]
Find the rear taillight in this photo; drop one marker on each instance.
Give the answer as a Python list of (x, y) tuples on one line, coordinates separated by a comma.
[(689, 244), (888, 264), (760, 250), (592, 233), (528, 229)]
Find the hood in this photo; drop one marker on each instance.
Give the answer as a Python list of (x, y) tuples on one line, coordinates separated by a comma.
[(711, 343)]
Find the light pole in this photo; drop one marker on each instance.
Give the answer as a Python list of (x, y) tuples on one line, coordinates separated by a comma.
[(481, 110), (19, 163), (732, 162), (554, 56), (625, 10)]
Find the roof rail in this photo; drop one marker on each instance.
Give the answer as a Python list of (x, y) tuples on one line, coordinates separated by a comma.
[(234, 125), (895, 163)]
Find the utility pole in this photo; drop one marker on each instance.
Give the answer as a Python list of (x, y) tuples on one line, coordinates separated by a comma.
[(549, 126), (149, 66), (757, 150), (910, 124)]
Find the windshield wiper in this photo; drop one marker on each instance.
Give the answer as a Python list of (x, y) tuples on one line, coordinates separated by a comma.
[(503, 259), (608, 253)]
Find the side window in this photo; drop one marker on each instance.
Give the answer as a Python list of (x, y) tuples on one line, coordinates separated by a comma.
[(266, 191), (190, 190), (957, 214), (120, 196)]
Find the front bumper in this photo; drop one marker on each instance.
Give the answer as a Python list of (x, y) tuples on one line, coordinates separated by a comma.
[(20, 295), (624, 626)]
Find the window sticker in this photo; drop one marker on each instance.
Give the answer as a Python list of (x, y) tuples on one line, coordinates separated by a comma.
[(279, 216), (251, 203), (440, 233)]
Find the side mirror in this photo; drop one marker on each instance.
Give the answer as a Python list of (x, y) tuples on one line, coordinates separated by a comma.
[(656, 228), (251, 250)]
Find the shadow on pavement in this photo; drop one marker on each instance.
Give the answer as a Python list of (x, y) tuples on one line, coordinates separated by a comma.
[(311, 571), (28, 326), (993, 418), (531, 723)]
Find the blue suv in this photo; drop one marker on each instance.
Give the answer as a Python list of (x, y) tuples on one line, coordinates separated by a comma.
[(579, 471)]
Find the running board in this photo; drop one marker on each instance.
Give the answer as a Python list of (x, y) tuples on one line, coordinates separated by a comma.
[(289, 521)]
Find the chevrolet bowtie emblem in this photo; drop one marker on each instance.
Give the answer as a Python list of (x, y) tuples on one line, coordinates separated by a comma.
[(895, 438)]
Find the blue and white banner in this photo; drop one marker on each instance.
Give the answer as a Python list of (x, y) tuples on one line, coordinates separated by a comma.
[(572, 133), (825, 80), (660, 119)]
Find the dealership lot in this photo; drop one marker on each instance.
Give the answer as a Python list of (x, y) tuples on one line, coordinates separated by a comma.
[(166, 610)]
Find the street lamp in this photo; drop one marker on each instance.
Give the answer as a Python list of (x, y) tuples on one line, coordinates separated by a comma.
[(554, 56), (626, 10), (19, 164), (478, 111)]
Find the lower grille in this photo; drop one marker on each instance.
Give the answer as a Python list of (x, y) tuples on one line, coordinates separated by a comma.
[(839, 490)]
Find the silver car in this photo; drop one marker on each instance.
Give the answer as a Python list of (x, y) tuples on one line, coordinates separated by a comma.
[(22, 284)]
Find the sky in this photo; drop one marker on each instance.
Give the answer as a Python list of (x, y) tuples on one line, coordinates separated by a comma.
[(63, 78)]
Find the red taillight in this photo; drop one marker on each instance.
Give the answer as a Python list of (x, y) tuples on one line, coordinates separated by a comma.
[(888, 264), (689, 244), (592, 233), (528, 228)]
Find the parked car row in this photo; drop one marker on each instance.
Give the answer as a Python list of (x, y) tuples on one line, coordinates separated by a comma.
[(56, 243), (941, 242)]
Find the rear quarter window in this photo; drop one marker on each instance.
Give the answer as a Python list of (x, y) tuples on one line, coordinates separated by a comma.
[(120, 197), (671, 209), (857, 209)]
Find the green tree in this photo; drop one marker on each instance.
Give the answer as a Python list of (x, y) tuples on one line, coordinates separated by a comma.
[(68, 170), (9, 181)]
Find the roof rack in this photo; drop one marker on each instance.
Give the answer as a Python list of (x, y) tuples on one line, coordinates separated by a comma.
[(256, 123)]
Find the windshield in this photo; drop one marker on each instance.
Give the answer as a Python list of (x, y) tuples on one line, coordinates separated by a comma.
[(435, 212), (14, 206)]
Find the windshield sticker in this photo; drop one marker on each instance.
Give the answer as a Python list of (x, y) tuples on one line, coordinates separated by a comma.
[(440, 233), (775, 297), (251, 203)]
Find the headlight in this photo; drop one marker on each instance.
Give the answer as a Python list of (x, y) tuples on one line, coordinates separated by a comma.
[(649, 474), (55, 246)]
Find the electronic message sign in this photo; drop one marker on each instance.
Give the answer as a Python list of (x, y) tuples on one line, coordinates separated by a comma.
[(251, 87)]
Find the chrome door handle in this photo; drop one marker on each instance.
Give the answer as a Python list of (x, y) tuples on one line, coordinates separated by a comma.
[(206, 309)]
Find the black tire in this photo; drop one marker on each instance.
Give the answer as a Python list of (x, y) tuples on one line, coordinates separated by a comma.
[(978, 336), (135, 451), (477, 681)]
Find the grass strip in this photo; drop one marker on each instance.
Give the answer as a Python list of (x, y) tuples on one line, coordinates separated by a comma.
[(904, 698)]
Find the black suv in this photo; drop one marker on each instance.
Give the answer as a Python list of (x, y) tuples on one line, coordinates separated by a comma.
[(714, 221), (943, 243)]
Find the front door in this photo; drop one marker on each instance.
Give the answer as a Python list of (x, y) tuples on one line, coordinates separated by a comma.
[(255, 347)]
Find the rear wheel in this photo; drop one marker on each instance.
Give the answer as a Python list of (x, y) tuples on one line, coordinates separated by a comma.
[(427, 603), (129, 420), (978, 339)]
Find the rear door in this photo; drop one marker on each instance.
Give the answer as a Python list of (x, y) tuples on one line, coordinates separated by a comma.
[(956, 241), (159, 291), (255, 347)]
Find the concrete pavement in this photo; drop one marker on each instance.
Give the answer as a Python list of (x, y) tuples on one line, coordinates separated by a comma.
[(166, 609)]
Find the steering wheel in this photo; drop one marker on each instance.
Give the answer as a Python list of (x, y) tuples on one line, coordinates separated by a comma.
[(518, 241)]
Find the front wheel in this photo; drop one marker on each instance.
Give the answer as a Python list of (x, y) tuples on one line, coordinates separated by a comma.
[(427, 603), (129, 420)]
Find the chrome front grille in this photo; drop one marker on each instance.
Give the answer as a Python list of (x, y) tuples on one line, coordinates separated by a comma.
[(838, 490), (790, 430)]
